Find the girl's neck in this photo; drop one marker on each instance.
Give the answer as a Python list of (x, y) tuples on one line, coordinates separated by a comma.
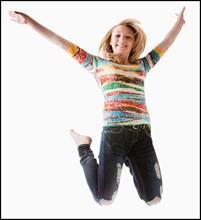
[(123, 60)]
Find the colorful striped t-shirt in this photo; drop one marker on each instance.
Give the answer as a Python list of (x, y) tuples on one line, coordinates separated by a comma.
[(122, 85)]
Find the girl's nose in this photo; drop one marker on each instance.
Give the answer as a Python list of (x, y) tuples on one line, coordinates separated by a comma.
[(121, 39)]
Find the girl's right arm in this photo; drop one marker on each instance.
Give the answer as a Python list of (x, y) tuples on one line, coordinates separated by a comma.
[(22, 18), (173, 33)]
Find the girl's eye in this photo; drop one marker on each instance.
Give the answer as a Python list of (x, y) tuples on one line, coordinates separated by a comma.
[(117, 35)]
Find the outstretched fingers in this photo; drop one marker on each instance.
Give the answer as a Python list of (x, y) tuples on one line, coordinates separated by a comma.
[(18, 17)]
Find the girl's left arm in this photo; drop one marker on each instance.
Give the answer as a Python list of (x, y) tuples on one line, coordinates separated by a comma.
[(173, 33)]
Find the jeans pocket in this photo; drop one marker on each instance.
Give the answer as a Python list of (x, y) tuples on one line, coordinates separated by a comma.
[(148, 131), (113, 130), (112, 139)]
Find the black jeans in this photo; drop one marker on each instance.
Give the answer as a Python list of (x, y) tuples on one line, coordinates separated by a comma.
[(129, 145)]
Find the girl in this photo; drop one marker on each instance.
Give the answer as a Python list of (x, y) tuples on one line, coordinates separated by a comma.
[(126, 134)]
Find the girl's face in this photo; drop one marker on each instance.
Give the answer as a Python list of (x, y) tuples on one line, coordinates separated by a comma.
[(122, 40)]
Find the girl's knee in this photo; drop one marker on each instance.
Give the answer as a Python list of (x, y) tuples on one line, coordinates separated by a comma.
[(154, 201), (106, 202)]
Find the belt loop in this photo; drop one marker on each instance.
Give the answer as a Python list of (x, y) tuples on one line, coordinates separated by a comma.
[(142, 126)]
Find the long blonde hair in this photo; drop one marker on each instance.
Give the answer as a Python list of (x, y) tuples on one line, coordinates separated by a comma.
[(138, 46)]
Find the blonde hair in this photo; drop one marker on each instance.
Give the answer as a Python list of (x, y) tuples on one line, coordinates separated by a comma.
[(138, 46)]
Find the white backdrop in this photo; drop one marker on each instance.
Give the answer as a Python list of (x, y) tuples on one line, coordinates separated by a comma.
[(45, 93)]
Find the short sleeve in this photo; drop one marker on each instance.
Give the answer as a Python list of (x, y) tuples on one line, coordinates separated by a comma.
[(150, 60), (86, 60)]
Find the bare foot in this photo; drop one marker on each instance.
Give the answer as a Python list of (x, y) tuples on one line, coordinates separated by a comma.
[(80, 139)]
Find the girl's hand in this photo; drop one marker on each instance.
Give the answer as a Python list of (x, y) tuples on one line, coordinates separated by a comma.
[(181, 15), (18, 17)]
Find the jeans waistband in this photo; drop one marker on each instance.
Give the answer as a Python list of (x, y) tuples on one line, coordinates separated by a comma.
[(136, 127), (142, 126)]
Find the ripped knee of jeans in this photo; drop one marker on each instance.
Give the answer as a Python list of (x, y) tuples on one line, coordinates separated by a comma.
[(154, 201), (107, 202)]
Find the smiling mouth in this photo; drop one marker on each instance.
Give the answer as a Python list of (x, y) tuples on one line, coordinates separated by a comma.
[(121, 46)]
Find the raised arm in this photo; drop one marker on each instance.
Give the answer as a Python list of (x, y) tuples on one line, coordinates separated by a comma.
[(22, 18), (173, 33)]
